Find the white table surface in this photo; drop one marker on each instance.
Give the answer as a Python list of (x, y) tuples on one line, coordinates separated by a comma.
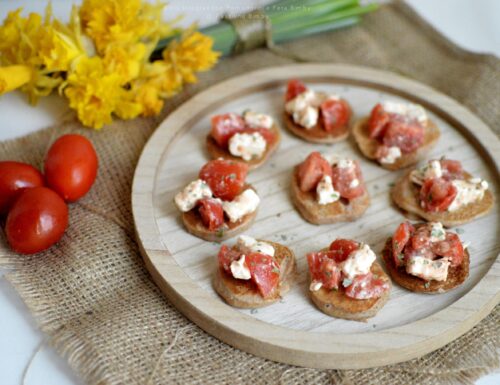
[(472, 24)]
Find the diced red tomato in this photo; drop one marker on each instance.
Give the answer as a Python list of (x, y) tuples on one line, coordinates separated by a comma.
[(324, 269), (451, 247), (437, 194), (407, 135), (366, 286), (335, 114), (377, 124), (226, 256), (312, 170), (341, 248), (399, 240), (226, 125), (452, 169), (226, 178), (342, 179), (265, 132), (294, 88), (264, 271), (211, 212)]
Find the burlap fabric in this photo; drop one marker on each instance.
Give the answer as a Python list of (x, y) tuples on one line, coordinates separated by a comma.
[(97, 304)]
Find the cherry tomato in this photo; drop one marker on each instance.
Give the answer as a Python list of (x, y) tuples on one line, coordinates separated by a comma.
[(452, 169), (226, 256), (224, 126), (71, 166), (407, 135), (294, 88), (226, 178), (342, 248), (342, 177), (211, 212), (324, 269), (451, 247), (399, 240), (36, 221), (264, 271), (377, 123), (366, 286), (312, 170), (335, 114), (437, 194), (15, 177)]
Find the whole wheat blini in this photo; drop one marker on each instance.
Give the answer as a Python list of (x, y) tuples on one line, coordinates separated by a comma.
[(346, 281), (245, 293), (407, 195)]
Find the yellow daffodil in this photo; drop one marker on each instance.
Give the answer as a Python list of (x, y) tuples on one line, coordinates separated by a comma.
[(13, 77), (148, 96), (57, 50), (125, 62)]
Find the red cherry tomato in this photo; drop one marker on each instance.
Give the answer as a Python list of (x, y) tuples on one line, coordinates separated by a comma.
[(15, 177), (407, 135), (324, 269), (342, 178), (366, 286), (264, 271), (224, 126), (71, 166), (451, 247), (399, 240), (452, 169), (437, 194), (312, 170), (226, 256), (335, 114), (211, 212), (341, 249), (36, 221), (226, 178), (294, 88), (377, 124)]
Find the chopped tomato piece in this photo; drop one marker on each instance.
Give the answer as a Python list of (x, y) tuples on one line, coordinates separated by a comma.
[(407, 135), (312, 170), (437, 194), (343, 179), (265, 132), (324, 269), (294, 88), (335, 114), (452, 169), (366, 286), (224, 126), (399, 240), (451, 247), (211, 212), (264, 271), (226, 178), (377, 124), (226, 256), (341, 248)]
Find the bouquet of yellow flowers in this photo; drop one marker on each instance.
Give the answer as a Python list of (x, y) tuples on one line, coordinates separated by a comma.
[(100, 59)]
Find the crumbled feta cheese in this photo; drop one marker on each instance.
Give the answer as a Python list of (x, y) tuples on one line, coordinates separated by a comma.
[(437, 232), (192, 193), (428, 269), (304, 108), (344, 163), (307, 117), (467, 192), (325, 191), (430, 170), (354, 183), (315, 285), (249, 244), (239, 269), (245, 203), (358, 262), (393, 153), (247, 146), (409, 110), (256, 120)]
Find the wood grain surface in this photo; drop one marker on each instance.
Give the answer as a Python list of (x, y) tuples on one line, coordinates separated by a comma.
[(293, 330)]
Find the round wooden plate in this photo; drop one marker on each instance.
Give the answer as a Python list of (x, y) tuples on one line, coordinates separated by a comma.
[(294, 331)]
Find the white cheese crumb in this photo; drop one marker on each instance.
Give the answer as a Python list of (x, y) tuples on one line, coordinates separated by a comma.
[(307, 117), (359, 262), (245, 203), (249, 244), (467, 192), (256, 120), (325, 191), (247, 146), (409, 110), (304, 108), (354, 183), (430, 170), (192, 193), (437, 232), (428, 269), (315, 285), (239, 269), (393, 153)]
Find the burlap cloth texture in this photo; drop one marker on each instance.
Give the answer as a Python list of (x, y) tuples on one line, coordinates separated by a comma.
[(94, 299)]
